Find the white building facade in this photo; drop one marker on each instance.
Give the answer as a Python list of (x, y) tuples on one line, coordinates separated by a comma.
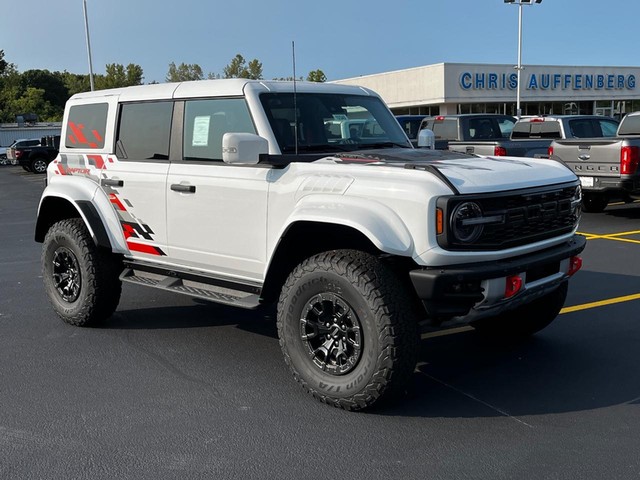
[(450, 88)]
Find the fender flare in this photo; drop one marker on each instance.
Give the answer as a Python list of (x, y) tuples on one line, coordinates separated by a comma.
[(379, 223), (92, 205)]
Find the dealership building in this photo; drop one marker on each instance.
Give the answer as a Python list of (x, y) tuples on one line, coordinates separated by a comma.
[(450, 88)]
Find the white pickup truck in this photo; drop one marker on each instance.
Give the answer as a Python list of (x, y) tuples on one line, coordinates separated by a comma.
[(250, 192)]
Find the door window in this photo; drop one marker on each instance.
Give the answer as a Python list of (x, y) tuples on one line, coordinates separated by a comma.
[(144, 130), (206, 121)]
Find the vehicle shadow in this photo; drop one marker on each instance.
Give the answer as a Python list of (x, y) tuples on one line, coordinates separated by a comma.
[(200, 314), (583, 361)]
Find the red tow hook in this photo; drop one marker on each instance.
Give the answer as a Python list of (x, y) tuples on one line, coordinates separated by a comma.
[(513, 285), (575, 264)]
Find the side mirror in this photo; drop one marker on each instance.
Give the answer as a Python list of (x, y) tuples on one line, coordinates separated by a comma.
[(426, 139), (243, 148)]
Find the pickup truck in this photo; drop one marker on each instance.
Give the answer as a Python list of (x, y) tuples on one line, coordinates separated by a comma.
[(531, 137), (309, 196), (468, 127), (36, 158), (607, 167)]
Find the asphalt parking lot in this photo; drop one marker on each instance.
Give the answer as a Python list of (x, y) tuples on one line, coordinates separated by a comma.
[(174, 388)]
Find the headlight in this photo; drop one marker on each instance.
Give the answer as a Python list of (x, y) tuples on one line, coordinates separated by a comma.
[(467, 222)]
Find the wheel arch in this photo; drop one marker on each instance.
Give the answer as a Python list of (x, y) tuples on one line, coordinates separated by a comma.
[(305, 238), (80, 199)]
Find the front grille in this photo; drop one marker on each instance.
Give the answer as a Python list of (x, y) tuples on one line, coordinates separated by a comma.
[(520, 217)]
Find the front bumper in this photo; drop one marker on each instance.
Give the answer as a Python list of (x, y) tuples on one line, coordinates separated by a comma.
[(477, 290)]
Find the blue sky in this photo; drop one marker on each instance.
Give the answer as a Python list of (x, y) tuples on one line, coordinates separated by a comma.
[(344, 38)]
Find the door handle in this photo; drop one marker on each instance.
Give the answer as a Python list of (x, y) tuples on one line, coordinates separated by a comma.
[(109, 182), (180, 187)]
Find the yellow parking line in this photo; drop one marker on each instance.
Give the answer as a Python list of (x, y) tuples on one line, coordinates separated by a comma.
[(601, 303)]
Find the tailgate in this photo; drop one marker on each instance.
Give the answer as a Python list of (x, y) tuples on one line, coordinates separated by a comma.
[(593, 159)]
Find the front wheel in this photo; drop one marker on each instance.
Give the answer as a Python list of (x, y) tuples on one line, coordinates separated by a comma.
[(80, 280), (528, 319), (346, 329)]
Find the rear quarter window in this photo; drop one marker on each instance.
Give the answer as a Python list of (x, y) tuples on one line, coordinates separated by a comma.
[(86, 126)]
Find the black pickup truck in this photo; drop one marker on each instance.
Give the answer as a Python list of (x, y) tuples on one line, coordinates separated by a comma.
[(36, 158)]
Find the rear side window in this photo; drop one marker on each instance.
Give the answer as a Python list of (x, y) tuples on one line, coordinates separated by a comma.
[(144, 130), (86, 126), (609, 128), (206, 121)]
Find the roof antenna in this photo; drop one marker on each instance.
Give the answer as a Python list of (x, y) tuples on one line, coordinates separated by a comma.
[(295, 96)]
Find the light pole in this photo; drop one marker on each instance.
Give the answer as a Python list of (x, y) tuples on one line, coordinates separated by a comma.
[(86, 29), (519, 67)]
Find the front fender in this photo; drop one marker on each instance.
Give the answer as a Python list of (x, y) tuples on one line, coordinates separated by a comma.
[(92, 205), (381, 225)]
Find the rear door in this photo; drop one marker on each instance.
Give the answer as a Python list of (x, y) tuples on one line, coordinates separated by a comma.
[(135, 178)]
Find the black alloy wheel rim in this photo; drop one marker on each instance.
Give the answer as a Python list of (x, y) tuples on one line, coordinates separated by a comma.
[(66, 274), (331, 332)]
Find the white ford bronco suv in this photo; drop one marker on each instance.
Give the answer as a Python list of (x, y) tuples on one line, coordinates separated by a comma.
[(251, 192)]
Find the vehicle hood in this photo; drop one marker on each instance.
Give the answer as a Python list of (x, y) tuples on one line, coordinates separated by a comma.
[(468, 174)]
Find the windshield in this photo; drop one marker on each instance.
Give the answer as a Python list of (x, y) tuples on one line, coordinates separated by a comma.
[(331, 122)]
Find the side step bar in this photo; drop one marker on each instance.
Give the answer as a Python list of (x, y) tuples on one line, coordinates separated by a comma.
[(198, 287)]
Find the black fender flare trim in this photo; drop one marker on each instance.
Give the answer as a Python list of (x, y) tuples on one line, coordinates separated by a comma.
[(95, 222)]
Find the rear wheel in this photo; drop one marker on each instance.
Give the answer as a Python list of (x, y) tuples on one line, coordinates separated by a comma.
[(594, 202), (527, 319), (346, 329), (39, 165), (80, 280)]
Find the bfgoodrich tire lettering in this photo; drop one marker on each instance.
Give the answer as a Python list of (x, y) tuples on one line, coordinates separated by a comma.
[(80, 280), (346, 329)]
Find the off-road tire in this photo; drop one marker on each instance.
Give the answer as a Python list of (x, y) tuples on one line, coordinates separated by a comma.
[(594, 202), (526, 320), (39, 165), (97, 286), (381, 307)]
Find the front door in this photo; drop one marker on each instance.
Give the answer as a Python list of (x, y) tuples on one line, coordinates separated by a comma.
[(217, 213)]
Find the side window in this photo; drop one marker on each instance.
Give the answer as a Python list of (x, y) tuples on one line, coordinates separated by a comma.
[(506, 126), (609, 128), (206, 121), (87, 126), (144, 130)]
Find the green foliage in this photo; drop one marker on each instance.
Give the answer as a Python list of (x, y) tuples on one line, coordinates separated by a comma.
[(45, 93), (184, 72), (316, 76), (238, 68), (118, 76)]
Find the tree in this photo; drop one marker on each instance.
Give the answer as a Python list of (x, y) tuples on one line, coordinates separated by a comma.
[(238, 68), (184, 72), (55, 90), (118, 76), (316, 76)]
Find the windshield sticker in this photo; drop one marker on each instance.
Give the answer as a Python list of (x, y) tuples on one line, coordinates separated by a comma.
[(200, 131)]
